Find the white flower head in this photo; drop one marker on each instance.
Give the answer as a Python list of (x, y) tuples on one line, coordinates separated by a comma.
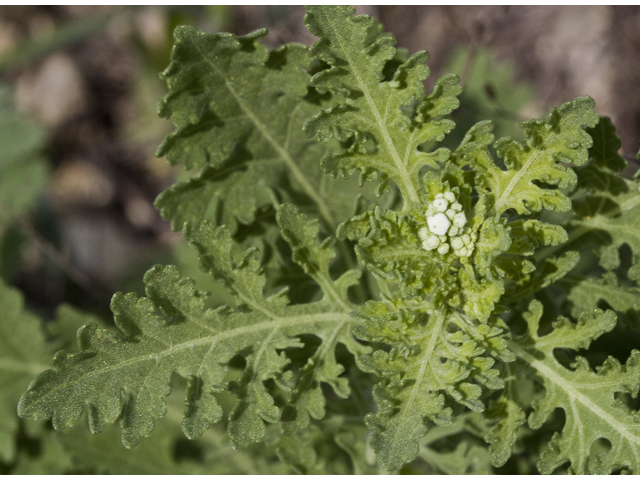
[(447, 227), (460, 220)]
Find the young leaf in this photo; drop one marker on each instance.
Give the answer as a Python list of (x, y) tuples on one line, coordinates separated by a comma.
[(550, 143), (510, 416), (434, 358), (393, 251), (370, 115)]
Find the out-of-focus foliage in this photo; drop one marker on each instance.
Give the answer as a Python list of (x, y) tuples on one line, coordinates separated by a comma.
[(23, 175), (490, 92)]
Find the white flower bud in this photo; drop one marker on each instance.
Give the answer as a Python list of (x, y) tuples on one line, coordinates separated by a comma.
[(440, 195), (456, 206), (444, 248), (457, 243), (450, 197), (460, 219), (440, 204), (423, 233), (450, 214), (431, 242), (438, 224), (453, 231), (466, 239)]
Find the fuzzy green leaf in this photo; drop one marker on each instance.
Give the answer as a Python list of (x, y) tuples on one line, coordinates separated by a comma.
[(126, 375), (383, 136), (306, 398), (509, 415), (238, 111), (602, 172), (434, 360), (587, 294), (588, 398), (535, 171), (607, 221)]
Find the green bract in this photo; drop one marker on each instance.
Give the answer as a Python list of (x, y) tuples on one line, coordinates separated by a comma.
[(495, 282)]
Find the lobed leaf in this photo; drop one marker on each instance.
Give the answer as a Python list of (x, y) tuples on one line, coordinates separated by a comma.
[(238, 110), (371, 115), (535, 171), (587, 294), (588, 398), (507, 416), (434, 359), (127, 375)]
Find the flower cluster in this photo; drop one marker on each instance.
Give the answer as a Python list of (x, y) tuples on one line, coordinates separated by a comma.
[(446, 227)]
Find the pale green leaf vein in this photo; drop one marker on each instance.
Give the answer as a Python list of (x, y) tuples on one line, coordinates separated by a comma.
[(264, 131), (402, 171), (293, 321), (575, 395)]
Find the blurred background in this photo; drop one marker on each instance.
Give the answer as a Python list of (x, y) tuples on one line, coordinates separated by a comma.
[(78, 125)]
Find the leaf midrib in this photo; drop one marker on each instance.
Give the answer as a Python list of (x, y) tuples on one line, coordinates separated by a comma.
[(297, 173), (395, 155), (573, 393), (239, 331), (437, 327)]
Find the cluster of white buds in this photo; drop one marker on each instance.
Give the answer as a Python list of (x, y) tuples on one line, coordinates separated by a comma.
[(447, 227)]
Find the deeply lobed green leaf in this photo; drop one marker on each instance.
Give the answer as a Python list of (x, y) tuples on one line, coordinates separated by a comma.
[(238, 110), (535, 172), (588, 398), (126, 376), (371, 114), (433, 361)]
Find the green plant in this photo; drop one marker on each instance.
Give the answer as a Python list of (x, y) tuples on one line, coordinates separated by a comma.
[(478, 307)]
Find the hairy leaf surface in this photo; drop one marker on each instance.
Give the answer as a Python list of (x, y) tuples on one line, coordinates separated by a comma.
[(382, 135), (239, 109), (606, 217), (434, 360), (535, 172), (127, 375), (588, 398)]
